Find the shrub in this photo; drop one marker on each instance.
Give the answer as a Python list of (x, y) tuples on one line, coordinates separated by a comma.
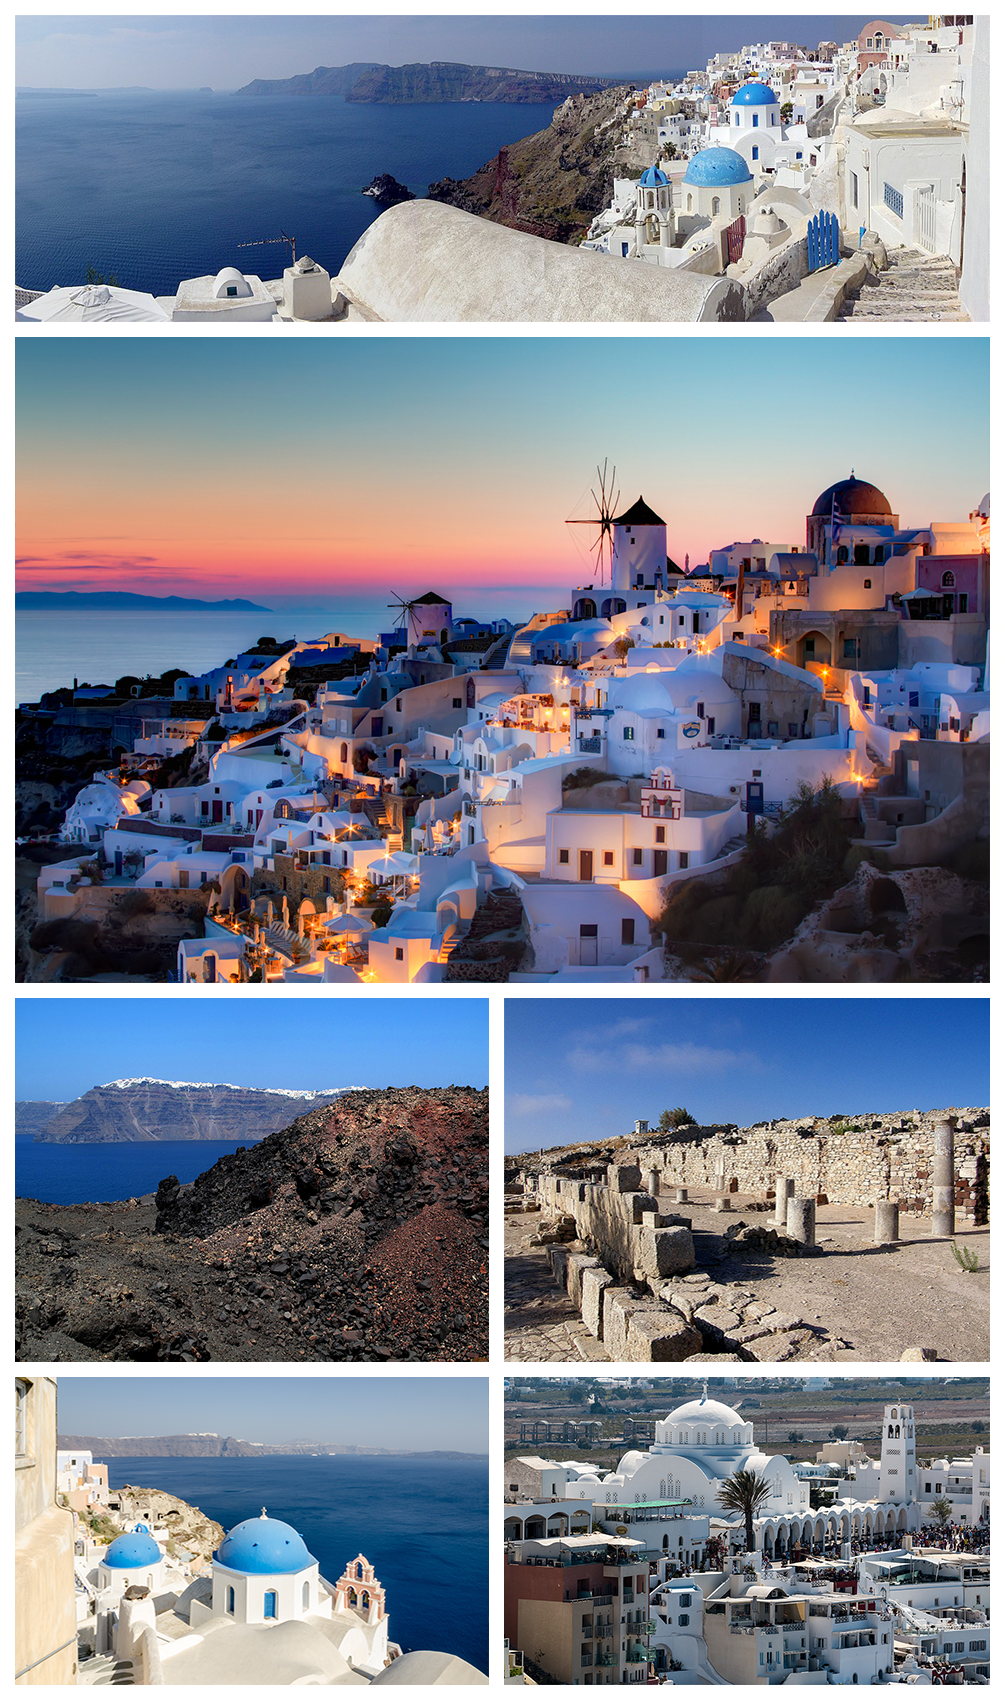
[(133, 903), (584, 777), (381, 914)]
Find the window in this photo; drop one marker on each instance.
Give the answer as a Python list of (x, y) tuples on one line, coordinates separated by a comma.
[(628, 734), (754, 711), (854, 189), (700, 710), (660, 733), (949, 581), (399, 953), (894, 200), (963, 602), (563, 857), (711, 727), (754, 120), (456, 702), (754, 151), (715, 205), (867, 584), (230, 1601), (232, 289), (682, 858), (608, 858), (683, 1619), (661, 835), (270, 1604), (636, 858)]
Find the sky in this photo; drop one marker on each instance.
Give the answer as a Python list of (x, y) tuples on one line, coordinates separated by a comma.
[(225, 52), (312, 1043), (595, 1067), (445, 1413), (288, 470)]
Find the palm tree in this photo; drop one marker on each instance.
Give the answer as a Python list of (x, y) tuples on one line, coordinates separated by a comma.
[(745, 1491)]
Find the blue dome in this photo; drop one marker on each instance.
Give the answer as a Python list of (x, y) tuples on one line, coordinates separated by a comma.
[(131, 1552), (754, 94), (717, 168), (263, 1546), (654, 178)]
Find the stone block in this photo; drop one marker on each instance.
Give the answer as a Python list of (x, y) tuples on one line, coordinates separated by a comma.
[(919, 1355), (717, 1320), (594, 1284), (558, 1257), (660, 1252), (578, 1261), (619, 1305), (660, 1337), (642, 1206), (776, 1348), (624, 1177)]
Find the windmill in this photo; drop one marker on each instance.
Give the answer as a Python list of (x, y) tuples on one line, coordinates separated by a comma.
[(606, 504), (402, 607)]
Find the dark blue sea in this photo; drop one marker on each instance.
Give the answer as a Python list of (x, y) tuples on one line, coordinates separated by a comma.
[(153, 188), (423, 1524), (92, 1174)]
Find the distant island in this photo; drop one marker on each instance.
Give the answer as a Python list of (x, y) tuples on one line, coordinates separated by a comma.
[(130, 1110), (28, 599), (436, 83), (225, 1446)]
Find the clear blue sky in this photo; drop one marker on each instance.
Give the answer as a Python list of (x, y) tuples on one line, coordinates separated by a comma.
[(445, 1413), (64, 1048), (591, 1067), (224, 52)]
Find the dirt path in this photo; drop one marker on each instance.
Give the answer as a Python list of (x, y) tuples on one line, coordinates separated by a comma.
[(865, 1303)]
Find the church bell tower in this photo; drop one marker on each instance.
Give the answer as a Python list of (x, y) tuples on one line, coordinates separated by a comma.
[(898, 1476)]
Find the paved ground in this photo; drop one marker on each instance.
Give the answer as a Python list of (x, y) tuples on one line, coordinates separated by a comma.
[(862, 1302), (917, 288)]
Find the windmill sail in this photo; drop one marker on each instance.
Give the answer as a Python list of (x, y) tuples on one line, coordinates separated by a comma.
[(606, 503)]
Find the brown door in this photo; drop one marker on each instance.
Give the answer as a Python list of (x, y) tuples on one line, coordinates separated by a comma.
[(586, 864), (659, 863), (217, 810)]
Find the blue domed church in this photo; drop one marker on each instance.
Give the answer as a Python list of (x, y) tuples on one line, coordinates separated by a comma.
[(263, 1573), (717, 183)]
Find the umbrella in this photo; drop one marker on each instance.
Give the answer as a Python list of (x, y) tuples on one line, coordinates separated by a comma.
[(397, 865), (95, 301), (349, 924)]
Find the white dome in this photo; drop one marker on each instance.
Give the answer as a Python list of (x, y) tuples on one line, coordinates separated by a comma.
[(642, 691), (230, 279), (631, 1462), (706, 1411)]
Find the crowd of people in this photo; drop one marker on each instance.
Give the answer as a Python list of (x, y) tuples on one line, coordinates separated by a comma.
[(955, 1537)]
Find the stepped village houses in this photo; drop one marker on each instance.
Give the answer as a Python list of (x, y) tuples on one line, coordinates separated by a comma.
[(486, 801)]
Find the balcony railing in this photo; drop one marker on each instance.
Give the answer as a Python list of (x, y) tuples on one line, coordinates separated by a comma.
[(589, 746)]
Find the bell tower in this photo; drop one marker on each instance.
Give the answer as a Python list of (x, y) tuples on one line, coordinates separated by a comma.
[(898, 1476)]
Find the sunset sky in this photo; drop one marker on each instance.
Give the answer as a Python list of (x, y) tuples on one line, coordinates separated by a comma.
[(296, 469)]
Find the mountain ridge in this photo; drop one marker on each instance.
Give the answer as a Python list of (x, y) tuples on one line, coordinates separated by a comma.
[(438, 82), (227, 1446), (126, 1111), (35, 599)]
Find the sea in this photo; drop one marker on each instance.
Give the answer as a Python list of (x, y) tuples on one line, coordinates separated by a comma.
[(52, 647), (102, 1174), (422, 1523), (150, 188)]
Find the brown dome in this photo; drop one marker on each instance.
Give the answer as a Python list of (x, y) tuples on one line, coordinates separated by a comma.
[(852, 496)]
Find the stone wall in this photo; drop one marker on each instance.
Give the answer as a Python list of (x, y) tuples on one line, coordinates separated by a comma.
[(621, 1224), (881, 1156)]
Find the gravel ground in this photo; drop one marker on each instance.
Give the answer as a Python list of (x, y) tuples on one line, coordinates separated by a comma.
[(358, 1233)]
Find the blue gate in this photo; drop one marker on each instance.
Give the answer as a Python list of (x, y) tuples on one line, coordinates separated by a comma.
[(823, 241)]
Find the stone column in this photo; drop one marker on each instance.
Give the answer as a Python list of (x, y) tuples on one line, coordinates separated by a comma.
[(784, 1190), (680, 1195), (887, 1225), (801, 1220), (944, 1181), (653, 1183)]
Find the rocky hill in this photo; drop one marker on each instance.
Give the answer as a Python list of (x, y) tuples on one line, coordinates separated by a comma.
[(554, 182), (359, 1232), (436, 83), (126, 1110)]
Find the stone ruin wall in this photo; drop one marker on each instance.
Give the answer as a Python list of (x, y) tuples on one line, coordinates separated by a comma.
[(889, 1156), (881, 1156)]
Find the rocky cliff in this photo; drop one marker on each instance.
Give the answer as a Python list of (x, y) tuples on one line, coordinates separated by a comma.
[(439, 82), (127, 1110), (32, 1114), (554, 182), (359, 1232), (225, 1446)]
